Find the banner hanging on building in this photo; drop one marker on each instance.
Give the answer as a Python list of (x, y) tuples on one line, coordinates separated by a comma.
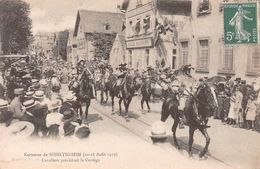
[(240, 23)]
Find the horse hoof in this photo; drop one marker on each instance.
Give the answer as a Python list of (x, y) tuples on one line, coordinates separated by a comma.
[(201, 155), (148, 110), (190, 155)]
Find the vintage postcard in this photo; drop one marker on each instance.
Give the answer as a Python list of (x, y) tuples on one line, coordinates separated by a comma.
[(122, 84)]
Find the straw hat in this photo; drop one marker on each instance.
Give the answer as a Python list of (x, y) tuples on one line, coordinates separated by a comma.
[(43, 82), (19, 91), (29, 94), (38, 94), (35, 80), (70, 97), (55, 104), (158, 130), (3, 103), (82, 132), (29, 104), (21, 129)]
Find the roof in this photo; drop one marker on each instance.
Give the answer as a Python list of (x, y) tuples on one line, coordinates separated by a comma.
[(95, 21)]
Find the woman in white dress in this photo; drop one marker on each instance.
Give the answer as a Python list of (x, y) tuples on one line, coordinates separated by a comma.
[(231, 113), (251, 112)]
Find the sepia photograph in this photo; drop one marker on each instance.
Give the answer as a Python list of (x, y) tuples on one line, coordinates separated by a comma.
[(122, 84)]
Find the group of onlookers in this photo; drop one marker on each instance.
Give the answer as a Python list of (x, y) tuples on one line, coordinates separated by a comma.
[(239, 103), (38, 101)]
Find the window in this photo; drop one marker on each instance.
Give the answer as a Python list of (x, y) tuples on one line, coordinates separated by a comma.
[(204, 7), (228, 59), (254, 60), (203, 55), (174, 52), (138, 27), (184, 53), (147, 56), (130, 58), (107, 26)]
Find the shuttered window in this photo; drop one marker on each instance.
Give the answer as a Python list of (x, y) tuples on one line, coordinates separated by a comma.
[(203, 57), (184, 53), (228, 59)]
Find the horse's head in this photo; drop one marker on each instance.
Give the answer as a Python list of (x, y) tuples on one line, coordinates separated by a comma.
[(206, 97)]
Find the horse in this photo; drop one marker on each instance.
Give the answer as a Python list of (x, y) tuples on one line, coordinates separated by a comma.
[(85, 94), (196, 111), (102, 84), (125, 91), (146, 91)]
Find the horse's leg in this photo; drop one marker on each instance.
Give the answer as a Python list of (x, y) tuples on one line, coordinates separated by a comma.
[(165, 112), (102, 96), (191, 134), (127, 103), (120, 108), (142, 103), (174, 128), (147, 103), (112, 100), (80, 109), (87, 106), (205, 134), (106, 92)]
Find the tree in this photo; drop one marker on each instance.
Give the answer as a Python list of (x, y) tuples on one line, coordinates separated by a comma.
[(102, 43), (15, 26), (60, 46)]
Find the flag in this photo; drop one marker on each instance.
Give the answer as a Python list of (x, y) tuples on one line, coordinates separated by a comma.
[(137, 26), (123, 26), (146, 23)]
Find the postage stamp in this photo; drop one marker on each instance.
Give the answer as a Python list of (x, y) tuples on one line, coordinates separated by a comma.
[(240, 23)]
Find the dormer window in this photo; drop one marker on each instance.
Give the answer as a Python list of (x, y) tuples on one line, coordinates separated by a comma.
[(204, 7), (107, 26)]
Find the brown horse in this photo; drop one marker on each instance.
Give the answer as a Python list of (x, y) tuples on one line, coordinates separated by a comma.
[(85, 94), (196, 111), (124, 92)]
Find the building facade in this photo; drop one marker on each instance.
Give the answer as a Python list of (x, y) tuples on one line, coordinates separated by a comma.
[(195, 37), (72, 49), (117, 54), (43, 43), (89, 22)]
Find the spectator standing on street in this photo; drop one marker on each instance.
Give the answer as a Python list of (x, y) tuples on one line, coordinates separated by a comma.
[(251, 112), (238, 107), (16, 106)]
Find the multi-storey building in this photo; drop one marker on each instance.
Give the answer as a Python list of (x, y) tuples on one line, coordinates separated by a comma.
[(193, 34), (89, 22), (72, 49), (43, 42)]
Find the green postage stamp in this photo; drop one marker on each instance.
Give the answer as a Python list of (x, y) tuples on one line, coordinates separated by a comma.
[(240, 23)]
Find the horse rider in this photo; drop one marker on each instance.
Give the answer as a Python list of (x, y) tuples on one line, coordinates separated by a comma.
[(187, 69), (123, 71)]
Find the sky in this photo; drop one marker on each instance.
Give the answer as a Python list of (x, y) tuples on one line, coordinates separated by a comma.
[(57, 15)]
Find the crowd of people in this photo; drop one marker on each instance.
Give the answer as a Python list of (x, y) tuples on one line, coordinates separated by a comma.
[(30, 94), (239, 103)]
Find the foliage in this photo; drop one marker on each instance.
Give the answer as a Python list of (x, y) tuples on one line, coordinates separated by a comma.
[(15, 26), (102, 43), (60, 46)]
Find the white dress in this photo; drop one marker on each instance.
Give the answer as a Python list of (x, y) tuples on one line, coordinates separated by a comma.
[(251, 110), (231, 113)]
